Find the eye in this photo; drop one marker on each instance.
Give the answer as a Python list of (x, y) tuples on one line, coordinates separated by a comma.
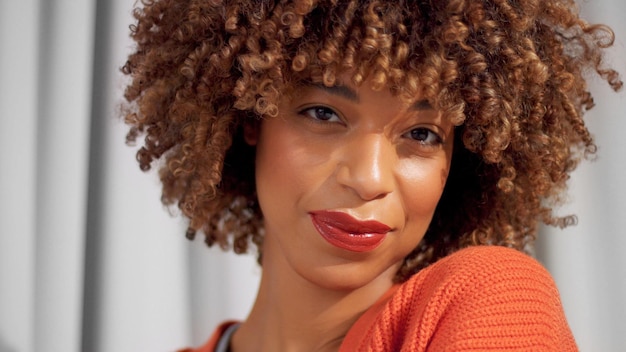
[(424, 136), (321, 113)]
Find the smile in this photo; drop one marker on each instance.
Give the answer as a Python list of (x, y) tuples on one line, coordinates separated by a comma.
[(345, 232)]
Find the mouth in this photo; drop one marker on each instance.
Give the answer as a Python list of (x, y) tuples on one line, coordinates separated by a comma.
[(345, 232)]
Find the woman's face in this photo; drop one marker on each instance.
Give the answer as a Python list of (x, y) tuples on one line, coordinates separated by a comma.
[(348, 180)]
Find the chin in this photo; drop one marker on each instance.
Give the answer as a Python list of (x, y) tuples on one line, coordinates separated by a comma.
[(347, 277)]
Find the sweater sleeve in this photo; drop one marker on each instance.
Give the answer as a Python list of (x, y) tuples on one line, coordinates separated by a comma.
[(494, 298), (484, 298)]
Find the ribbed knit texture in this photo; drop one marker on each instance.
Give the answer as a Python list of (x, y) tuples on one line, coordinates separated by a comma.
[(484, 298), (478, 299)]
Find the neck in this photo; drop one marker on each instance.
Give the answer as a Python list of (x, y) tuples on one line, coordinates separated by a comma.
[(293, 314)]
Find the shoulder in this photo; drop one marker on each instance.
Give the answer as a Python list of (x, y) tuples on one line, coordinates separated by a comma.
[(478, 298), (489, 296), (484, 281), (484, 271), (472, 258), (482, 265)]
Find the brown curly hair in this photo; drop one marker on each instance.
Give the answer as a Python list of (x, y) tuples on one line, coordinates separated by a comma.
[(509, 73)]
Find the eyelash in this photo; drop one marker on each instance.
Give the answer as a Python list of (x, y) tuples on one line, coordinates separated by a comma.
[(315, 113), (312, 112), (412, 134)]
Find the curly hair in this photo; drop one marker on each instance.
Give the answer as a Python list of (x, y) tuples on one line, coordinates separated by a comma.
[(510, 74)]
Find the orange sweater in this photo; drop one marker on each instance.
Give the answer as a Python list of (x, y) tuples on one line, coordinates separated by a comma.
[(477, 299)]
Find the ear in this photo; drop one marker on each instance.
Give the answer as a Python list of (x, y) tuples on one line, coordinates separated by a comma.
[(251, 132)]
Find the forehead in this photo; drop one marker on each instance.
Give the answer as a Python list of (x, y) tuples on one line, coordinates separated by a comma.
[(353, 94), (345, 88)]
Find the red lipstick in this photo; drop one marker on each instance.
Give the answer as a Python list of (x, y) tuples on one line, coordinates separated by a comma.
[(345, 232)]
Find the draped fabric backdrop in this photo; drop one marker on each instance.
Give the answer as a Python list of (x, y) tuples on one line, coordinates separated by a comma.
[(90, 260)]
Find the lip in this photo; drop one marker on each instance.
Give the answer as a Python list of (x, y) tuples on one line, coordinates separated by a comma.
[(345, 232)]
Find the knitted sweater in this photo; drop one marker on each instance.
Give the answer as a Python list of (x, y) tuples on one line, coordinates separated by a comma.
[(484, 298)]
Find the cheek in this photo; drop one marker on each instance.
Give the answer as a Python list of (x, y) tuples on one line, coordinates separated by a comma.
[(287, 165), (274, 161), (422, 183)]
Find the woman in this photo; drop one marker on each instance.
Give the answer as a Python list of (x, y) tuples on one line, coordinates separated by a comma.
[(380, 154)]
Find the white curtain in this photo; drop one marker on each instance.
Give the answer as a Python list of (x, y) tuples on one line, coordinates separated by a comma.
[(45, 81), (90, 260)]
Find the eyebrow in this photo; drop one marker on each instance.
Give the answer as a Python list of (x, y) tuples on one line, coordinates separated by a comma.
[(342, 91), (351, 94), (421, 105)]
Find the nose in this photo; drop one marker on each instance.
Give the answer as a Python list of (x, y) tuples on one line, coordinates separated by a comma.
[(366, 166)]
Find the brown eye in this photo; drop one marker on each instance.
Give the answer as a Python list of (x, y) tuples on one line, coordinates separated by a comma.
[(321, 113), (424, 136)]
